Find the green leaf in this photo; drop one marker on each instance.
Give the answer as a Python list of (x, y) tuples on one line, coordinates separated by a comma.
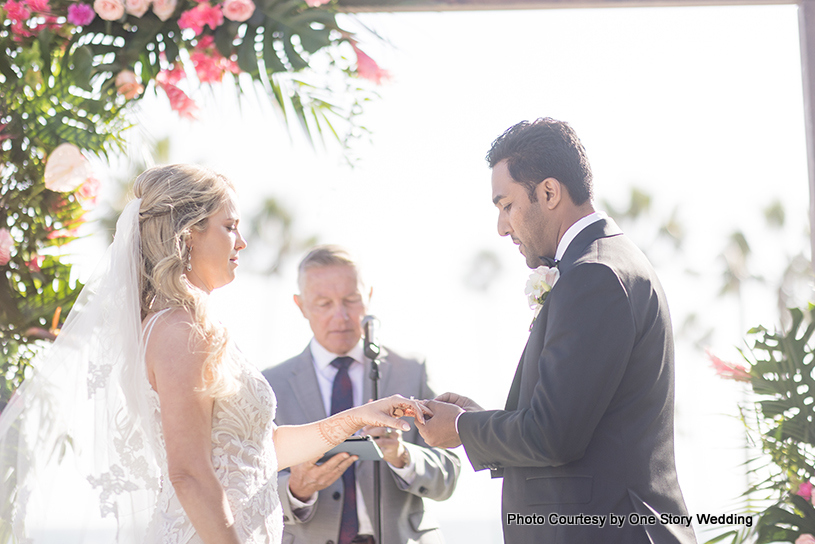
[(297, 62), (247, 56), (224, 36), (82, 66)]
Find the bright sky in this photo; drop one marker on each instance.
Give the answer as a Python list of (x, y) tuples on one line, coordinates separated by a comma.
[(702, 107)]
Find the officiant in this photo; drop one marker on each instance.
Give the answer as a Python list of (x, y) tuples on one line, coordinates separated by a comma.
[(333, 501)]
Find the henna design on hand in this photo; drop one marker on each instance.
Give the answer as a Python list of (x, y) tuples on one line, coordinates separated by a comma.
[(340, 426)]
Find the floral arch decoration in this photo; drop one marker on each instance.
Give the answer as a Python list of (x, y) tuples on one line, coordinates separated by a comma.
[(70, 72)]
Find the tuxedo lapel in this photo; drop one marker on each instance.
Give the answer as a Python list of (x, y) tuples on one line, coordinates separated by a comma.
[(599, 229), (304, 385)]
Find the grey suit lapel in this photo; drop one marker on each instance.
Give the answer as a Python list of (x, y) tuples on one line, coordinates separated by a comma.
[(304, 385)]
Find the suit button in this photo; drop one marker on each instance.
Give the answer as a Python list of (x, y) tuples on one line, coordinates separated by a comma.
[(329, 542), (336, 496), (422, 490)]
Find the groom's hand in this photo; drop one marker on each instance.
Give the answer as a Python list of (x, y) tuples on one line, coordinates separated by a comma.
[(308, 478), (469, 405), (439, 431)]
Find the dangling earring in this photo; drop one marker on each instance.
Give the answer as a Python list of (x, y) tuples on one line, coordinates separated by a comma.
[(188, 266)]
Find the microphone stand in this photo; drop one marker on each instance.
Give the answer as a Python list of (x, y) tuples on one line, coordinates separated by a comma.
[(372, 352)]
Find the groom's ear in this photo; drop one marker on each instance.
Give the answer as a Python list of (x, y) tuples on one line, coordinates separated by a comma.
[(549, 193)]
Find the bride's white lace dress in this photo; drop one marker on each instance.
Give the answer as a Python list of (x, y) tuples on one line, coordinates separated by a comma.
[(244, 458)]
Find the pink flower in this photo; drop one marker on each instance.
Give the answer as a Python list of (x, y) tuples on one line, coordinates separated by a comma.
[(316, 3), (127, 85), (35, 264), (80, 14), (206, 67), (238, 10), (4, 136), (66, 169), (730, 371), (109, 10), (171, 76), (805, 538), (89, 191), (38, 6), (210, 65), (805, 490), (164, 9), (200, 16), (368, 69), (6, 243), (16, 11), (179, 101), (137, 8)]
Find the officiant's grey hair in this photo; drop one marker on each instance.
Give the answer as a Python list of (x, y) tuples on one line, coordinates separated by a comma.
[(323, 256)]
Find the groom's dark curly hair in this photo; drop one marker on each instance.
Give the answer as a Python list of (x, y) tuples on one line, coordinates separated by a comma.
[(545, 148)]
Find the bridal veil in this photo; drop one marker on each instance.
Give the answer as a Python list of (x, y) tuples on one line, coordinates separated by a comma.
[(74, 453)]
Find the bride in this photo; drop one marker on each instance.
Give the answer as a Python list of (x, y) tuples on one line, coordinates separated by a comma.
[(160, 414)]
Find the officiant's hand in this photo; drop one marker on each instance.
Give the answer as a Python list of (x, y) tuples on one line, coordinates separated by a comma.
[(308, 478), (469, 405), (439, 431), (390, 442)]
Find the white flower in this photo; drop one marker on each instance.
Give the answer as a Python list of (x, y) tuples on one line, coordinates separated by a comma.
[(66, 169), (540, 282)]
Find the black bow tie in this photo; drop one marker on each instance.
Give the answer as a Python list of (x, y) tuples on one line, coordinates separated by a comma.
[(551, 263)]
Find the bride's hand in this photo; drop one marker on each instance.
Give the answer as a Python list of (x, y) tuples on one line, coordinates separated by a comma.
[(381, 413), (386, 412)]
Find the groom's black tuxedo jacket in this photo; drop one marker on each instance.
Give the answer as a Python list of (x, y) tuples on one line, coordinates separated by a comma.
[(588, 425)]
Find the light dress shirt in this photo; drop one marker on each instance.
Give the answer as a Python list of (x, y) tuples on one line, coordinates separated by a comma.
[(570, 234), (358, 372)]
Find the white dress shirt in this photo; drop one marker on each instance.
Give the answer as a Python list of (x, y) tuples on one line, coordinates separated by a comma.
[(326, 372), (572, 232)]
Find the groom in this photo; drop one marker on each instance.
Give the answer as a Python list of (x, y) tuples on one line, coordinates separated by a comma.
[(587, 430)]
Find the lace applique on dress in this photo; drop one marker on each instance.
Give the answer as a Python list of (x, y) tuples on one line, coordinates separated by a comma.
[(244, 459)]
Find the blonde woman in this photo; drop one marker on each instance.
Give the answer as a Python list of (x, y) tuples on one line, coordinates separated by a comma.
[(170, 427)]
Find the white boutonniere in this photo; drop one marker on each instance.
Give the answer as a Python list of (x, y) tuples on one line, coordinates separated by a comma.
[(540, 282)]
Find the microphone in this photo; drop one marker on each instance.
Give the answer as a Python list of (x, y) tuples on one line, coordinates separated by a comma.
[(370, 327)]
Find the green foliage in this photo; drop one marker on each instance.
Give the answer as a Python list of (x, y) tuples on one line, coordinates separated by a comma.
[(58, 85), (781, 419)]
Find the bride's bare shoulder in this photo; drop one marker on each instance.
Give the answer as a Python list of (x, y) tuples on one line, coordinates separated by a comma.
[(173, 330)]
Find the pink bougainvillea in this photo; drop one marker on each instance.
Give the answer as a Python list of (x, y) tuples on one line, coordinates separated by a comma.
[(80, 14), (368, 68), (6, 243), (38, 6), (200, 16), (179, 101), (210, 65), (730, 371)]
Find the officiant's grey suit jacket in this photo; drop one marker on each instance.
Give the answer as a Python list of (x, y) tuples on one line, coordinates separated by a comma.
[(403, 515), (588, 425)]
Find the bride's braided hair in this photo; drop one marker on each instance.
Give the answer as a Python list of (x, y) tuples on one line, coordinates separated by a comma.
[(175, 200)]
